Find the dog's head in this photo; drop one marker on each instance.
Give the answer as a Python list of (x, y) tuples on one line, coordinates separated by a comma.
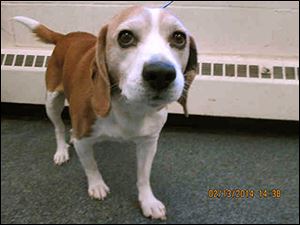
[(148, 55)]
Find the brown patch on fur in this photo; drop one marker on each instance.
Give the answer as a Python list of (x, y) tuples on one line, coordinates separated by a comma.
[(70, 70), (123, 16), (70, 67), (65, 57)]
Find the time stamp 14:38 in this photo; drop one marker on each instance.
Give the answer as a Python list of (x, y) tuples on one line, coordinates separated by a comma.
[(244, 193)]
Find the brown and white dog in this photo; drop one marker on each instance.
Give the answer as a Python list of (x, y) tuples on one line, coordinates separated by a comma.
[(118, 85)]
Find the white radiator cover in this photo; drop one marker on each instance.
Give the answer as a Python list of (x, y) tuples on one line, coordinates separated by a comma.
[(231, 86)]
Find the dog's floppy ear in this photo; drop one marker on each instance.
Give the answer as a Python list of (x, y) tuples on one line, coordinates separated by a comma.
[(100, 78), (189, 74)]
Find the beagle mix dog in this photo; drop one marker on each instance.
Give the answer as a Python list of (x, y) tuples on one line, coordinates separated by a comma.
[(118, 85)]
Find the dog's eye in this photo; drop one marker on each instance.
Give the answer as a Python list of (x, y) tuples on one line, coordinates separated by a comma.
[(126, 39), (178, 39)]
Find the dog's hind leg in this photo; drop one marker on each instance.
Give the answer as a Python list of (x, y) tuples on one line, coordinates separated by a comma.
[(54, 107)]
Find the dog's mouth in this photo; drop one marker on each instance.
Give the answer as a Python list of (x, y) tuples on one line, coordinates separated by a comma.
[(156, 101), (147, 97), (157, 98)]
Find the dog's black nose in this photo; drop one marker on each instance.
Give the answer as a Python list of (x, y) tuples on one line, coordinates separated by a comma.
[(159, 74)]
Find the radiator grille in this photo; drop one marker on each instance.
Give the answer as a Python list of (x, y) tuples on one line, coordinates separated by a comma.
[(215, 68), (21, 60), (249, 71)]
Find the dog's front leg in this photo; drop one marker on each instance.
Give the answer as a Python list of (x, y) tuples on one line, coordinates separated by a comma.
[(151, 207), (97, 188)]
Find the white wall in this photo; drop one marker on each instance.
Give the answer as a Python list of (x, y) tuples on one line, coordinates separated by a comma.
[(255, 28), (263, 33)]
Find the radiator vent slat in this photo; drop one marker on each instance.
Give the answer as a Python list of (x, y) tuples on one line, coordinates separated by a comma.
[(229, 68), (218, 69), (278, 73), (214, 68), (253, 71), (206, 69), (29, 60), (9, 59), (290, 73), (19, 60), (39, 62), (242, 70)]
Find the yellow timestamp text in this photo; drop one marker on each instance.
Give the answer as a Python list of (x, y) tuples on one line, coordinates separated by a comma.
[(244, 193)]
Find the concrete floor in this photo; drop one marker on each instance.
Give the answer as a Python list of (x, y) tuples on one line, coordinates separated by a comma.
[(189, 163)]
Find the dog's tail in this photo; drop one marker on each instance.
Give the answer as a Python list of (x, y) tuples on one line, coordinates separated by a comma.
[(44, 33)]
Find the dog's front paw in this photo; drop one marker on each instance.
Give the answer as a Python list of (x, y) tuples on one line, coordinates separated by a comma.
[(153, 208), (98, 191), (61, 156)]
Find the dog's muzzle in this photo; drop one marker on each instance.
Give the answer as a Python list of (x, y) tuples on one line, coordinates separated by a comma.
[(158, 74)]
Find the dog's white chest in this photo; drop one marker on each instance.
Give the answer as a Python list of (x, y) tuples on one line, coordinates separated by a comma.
[(125, 124)]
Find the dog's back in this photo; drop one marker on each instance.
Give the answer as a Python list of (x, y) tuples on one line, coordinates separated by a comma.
[(69, 49)]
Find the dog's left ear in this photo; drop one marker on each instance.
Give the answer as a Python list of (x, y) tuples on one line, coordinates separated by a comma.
[(189, 74), (100, 78)]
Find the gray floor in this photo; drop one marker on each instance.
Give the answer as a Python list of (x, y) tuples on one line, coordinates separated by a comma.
[(189, 163)]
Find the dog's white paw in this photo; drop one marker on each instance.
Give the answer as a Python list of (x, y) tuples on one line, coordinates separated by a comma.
[(98, 191), (153, 208), (61, 156)]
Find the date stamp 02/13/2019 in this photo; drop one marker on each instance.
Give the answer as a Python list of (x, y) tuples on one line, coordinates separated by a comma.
[(244, 193)]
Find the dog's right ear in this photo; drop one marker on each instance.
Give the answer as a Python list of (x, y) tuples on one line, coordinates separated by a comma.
[(100, 77)]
